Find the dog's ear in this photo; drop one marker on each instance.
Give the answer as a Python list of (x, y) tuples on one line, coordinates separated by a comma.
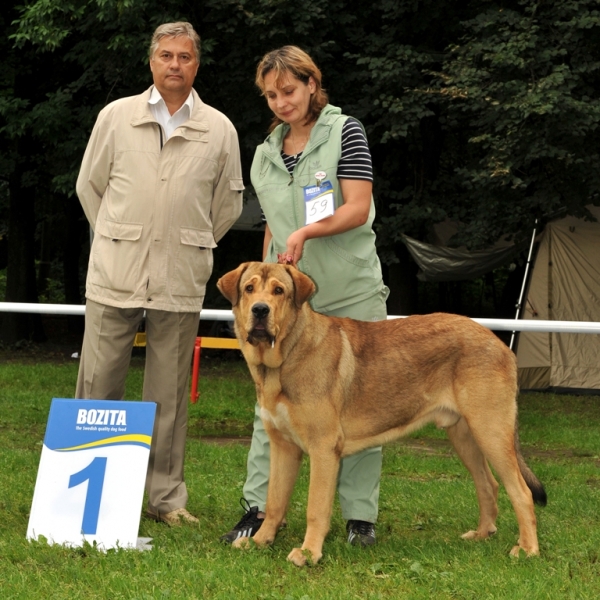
[(229, 284), (304, 286)]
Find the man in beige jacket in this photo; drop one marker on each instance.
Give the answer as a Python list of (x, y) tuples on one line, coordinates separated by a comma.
[(160, 184)]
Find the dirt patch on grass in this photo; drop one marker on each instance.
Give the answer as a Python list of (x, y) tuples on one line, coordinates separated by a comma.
[(224, 440), (432, 447)]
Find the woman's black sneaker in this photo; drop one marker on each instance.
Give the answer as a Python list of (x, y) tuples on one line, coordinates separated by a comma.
[(360, 533), (248, 525)]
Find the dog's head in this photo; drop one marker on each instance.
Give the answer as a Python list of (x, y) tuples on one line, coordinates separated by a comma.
[(265, 298)]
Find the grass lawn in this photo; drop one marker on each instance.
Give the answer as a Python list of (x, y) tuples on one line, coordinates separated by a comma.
[(427, 500)]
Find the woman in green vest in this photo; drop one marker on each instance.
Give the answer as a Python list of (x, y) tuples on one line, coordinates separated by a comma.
[(313, 178)]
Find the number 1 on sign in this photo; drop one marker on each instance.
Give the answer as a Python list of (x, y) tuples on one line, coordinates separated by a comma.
[(94, 475)]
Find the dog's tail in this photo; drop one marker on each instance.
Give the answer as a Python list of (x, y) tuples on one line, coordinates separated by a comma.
[(533, 483)]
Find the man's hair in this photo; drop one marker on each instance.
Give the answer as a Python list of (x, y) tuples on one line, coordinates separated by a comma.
[(175, 30), (291, 60)]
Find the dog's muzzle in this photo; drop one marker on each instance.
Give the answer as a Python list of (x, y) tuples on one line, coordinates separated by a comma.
[(259, 332), (260, 310)]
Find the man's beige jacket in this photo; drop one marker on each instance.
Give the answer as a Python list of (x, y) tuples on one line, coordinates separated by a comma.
[(157, 213)]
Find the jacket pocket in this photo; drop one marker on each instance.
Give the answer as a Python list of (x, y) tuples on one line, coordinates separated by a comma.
[(115, 258), (194, 262), (236, 185)]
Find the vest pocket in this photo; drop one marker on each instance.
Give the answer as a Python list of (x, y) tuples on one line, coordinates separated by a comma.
[(194, 262), (115, 258), (342, 277), (345, 255)]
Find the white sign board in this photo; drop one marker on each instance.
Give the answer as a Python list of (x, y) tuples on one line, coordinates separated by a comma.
[(90, 482)]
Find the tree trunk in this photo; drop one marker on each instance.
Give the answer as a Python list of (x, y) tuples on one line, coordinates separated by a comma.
[(77, 228), (402, 281), (20, 270)]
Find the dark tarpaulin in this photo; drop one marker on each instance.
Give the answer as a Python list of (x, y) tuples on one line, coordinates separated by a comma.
[(441, 263)]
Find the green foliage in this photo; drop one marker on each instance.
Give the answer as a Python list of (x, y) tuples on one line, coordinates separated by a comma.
[(522, 84), (489, 115), (53, 291), (45, 23)]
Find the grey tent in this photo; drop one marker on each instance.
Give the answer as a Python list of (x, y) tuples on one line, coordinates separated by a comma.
[(564, 286)]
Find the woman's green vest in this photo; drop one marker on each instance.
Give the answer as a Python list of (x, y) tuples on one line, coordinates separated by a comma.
[(345, 267)]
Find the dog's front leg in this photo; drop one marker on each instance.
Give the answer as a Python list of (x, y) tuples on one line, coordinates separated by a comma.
[(285, 460), (324, 467)]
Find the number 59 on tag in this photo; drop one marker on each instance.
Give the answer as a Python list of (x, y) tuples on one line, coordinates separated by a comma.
[(319, 202)]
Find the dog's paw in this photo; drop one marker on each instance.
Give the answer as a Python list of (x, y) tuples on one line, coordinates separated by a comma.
[(242, 543), (263, 538), (516, 551), (478, 535), (302, 556)]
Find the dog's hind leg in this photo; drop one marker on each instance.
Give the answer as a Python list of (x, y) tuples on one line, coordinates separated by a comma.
[(324, 467), (485, 485), (497, 441)]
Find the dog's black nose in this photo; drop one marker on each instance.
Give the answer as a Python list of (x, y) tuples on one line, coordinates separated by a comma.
[(260, 310)]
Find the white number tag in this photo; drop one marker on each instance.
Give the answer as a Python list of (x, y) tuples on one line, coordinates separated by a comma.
[(319, 202)]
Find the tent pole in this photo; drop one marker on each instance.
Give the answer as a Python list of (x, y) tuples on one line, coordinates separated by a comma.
[(512, 337)]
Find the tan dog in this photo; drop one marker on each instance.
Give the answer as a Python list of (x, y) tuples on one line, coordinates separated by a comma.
[(330, 387)]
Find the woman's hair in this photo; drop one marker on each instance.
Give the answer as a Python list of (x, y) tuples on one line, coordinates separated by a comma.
[(175, 30), (291, 60)]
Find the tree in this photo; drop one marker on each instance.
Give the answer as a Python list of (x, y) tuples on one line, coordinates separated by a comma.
[(22, 168), (482, 112), (524, 85), (486, 114)]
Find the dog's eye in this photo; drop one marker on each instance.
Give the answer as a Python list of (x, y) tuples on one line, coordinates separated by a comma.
[(278, 291), (249, 288)]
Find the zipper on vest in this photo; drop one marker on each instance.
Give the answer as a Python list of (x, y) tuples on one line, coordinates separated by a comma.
[(291, 180)]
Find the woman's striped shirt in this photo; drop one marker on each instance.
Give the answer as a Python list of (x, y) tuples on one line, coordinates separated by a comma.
[(355, 161)]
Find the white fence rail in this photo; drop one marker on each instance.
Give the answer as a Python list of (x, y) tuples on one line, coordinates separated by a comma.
[(226, 315)]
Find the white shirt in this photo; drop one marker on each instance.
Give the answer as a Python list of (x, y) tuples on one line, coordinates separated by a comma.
[(169, 122)]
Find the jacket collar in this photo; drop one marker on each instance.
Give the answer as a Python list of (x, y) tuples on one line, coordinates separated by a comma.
[(142, 114)]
